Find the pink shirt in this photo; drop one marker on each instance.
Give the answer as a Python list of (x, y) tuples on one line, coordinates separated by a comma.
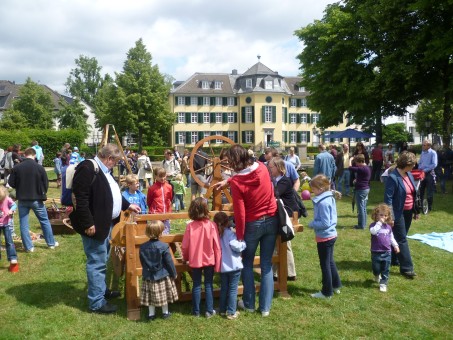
[(201, 245), (409, 202)]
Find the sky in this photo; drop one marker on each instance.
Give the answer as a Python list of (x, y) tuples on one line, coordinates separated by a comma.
[(42, 38)]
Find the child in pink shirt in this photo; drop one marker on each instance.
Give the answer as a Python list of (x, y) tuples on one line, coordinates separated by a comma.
[(201, 249)]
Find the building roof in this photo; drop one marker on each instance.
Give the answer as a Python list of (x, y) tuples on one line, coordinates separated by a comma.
[(259, 69)]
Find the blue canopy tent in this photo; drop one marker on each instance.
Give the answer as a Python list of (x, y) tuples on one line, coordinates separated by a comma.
[(349, 133)]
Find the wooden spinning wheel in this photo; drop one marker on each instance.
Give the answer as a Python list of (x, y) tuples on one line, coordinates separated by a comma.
[(215, 166)]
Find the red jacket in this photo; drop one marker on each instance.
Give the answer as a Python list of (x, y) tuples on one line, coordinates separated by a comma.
[(159, 198), (253, 196), (201, 245)]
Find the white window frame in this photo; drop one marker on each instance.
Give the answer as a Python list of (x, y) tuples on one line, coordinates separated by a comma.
[(268, 84), (181, 138), (218, 101), (411, 116), (303, 102), (206, 134), (248, 83), (193, 101), (181, 117), (181, 100), (303, 118), (206, 118), (206, 101), (217, 85), (193, 137), (230, 116), (303, 137), (293, 118), (231, 135), (301, 89), (293, 102), (218, 117), (268, 114), (205, 85), (248, 114), (293, 137), (218, 141), (230, 101), (194, 117), (315, 118), (249, 137)]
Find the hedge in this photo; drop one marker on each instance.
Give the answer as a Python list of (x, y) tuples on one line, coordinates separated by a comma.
[(51, 141)]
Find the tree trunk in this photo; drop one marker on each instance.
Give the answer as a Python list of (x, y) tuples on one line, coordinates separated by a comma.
[(139, 141), (446, 126), (378, 127)]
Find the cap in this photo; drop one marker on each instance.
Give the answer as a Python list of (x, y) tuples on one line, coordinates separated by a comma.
[(76, 148)]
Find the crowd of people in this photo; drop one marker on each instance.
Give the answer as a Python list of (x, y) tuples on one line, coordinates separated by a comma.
[(225, 245)]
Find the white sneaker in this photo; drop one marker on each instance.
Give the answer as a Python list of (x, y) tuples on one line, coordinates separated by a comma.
[(31, 250), (319, 295), (242, 306), (337, 291), (264, 314), (232, 316), (55, 245), (377, 278), (210, 315), (383, 288), (13, 262)]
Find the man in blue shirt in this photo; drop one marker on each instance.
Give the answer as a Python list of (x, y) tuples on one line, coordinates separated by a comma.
[(325, 164), (291, 171), (427, 163)]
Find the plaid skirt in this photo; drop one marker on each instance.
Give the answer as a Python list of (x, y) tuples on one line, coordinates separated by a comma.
[(158, 293)]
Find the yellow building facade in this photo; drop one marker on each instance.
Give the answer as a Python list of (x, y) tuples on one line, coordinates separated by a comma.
[(259, 108)]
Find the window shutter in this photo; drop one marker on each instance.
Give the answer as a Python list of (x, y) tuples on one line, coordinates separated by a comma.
[(188, 114), (187, 101), (235, 101), (200, 117), (213, 133), (224, 117), (212, 100), (243, 115), (188, 135), (308, 136), (285, 115), (298, 102), (176, 138), (253, 137), (200, 101), (298, 118), (235, 114), (200, 136), (274, 114), (285, 136), (243, 137), (235, 136), (253, 114), (225, 134), (212, 116), (299, 136), (262, 115), (308, 118), (224, 101)]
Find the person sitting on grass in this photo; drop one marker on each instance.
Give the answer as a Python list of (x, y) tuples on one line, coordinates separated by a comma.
[(133, 194), (159, 272)]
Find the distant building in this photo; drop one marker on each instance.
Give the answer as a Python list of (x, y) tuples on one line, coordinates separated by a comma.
[(258, 107), (9, 91)]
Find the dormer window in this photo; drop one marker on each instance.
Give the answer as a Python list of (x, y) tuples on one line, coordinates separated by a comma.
[(217, 85), (248, 83), (268, 85), (205, 85), (301, 89)]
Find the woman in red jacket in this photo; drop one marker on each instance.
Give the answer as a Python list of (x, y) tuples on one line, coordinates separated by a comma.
[(255, 215), (160, 196)]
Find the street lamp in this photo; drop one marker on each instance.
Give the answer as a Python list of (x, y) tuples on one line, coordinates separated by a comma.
[(315, 133)]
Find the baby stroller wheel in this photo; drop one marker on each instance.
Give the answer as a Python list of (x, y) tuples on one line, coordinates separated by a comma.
[(425, 206)]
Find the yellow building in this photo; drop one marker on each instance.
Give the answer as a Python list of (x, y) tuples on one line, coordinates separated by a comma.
[(259, 107)]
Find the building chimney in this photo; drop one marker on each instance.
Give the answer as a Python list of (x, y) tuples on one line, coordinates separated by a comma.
[(234, 72)]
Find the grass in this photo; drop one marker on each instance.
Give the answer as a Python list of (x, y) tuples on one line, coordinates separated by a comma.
[(47, 298)]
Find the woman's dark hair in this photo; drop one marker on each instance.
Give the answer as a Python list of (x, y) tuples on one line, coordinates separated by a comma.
[(238, 157), (222, 221), (198, 209)]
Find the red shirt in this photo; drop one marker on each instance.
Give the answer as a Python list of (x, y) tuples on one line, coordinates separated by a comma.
[(159, 198), (377, 154), (253, 196)]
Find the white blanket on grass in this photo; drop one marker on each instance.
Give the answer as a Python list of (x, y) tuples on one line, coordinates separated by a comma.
[(439, 240)]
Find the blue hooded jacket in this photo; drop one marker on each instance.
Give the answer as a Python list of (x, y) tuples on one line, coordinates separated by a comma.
[(325, 215)]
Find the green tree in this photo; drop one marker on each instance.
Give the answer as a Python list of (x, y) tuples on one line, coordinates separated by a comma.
[(395, 133), (432, 111), (34, 105), (138, 100), (85, 80), (13, 120), (72, 116)]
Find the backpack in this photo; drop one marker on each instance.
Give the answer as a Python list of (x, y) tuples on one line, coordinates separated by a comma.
[(301, 210), (147, 165), (67, 176)]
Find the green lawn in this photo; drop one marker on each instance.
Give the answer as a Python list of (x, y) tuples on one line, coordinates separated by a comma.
[(47, 298)]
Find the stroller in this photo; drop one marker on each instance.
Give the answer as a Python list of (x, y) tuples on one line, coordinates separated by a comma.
[(421, 205)]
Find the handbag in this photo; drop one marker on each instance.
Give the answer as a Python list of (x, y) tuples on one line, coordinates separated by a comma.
[(285, 225), (147, 166)]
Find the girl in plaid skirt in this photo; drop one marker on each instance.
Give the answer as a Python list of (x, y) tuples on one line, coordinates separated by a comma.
[(159, 272)]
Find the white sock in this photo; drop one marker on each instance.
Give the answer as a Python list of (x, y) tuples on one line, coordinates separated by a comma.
[(152, 310), (165, 309)]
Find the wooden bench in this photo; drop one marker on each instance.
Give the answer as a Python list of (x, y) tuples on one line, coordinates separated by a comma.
[(130, 233)]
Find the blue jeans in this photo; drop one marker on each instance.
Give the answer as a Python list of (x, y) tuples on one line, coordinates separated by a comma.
[(400, 230), (9, 243), (380, 263), (361, 198), (40, 211), (179, 202), (229, 291), (343, 180), (263, 233), (97, 254), (330, 278), (208, 290)]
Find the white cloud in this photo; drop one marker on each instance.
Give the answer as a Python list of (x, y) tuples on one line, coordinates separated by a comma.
[(42, 38)]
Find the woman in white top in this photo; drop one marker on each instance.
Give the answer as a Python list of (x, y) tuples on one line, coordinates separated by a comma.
[(293, 158), (145, 170)]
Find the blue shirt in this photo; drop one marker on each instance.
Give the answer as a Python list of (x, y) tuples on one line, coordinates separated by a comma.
[(137, 198), (38, 150), (231, 251), (291, 171), (428, 160), (324, 215), (325, 165)]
